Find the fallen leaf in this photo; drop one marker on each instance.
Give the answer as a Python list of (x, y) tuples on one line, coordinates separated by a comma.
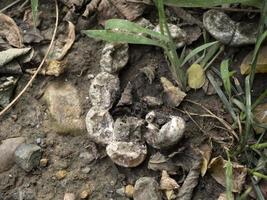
[(167, 183), (10, 31), (260, 114), (174, 95), (60, 51), (261, 66), (196, 76), (217, 171), (12, 53), (205, 151)]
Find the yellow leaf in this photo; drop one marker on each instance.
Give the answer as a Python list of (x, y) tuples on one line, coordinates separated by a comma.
[(261, 66), (205, 151), (196, 76)]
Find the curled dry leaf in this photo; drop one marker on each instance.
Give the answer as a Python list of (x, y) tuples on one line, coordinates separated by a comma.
[(196, 76), (260, 114), (10, 54), (217, 170), (167, 183), (205, 151), (10, 31), (261, 66), (174, 95)]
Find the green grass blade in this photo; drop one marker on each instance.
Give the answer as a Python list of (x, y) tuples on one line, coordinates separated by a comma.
[(197, 50), (229, 179), (259, 146), (34, 6), (225, 74), (210, 53), (205, 3), (111, 36), (222, 96), (127, 26)]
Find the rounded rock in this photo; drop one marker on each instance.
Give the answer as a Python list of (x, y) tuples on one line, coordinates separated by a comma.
[(114, 57), (104, 90), (99, 124), (146, 188), (127, 154), (168, 135)]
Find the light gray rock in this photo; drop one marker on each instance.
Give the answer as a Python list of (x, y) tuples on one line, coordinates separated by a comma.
[(7, 150), (152, 101), (178, 34), (127, 154), (147, 188), (227, 31), (168, 135), (104, 90), (114, 57), (28, 156), (99, 124), (64, 108)]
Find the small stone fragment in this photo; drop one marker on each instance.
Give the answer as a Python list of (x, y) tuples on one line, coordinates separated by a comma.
[(152, 101), (43, 162), (146, 188), (127, 154), (86, 170), (128, 129), (167, 183), (99, 125), (85, 194), (61, 174), (114, 57), (174, 95), (28, 156), (104, 90), (69, 196), (227, 31), (64, 107), (169, 134), (129, 191), (126, 97), (7, 150), (178, 34)]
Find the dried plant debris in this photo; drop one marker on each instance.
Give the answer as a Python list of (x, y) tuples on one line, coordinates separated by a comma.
[(167, 183), (108, 9), (191, 181), (261, 66), (227, 31), (207, 87), (260, 114), (126, 96), (217, 171), (10, 31), (205, 151), (127, 154), (7, 86), (173, 95), (114, 57)]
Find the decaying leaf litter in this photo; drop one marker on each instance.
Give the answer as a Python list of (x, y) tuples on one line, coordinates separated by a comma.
[(107, 120)]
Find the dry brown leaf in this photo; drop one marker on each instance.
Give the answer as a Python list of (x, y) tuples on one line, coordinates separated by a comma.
[(167, 183), (10, 31), (174, 95), (261, 66), (260, 114), (217, 170), (205, 151)]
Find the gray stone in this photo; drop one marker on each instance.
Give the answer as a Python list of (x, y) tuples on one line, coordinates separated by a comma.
[(168, 135), (7, 149), (152, 101), (104, 90), (227, 31), (64, 108), (147, 188), (127, 154), (99, 125), (128, 129), (28, 156), (114, 57)]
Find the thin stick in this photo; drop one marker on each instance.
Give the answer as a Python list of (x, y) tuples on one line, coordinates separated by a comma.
[(199, 127), (38, 69), (9, 6)]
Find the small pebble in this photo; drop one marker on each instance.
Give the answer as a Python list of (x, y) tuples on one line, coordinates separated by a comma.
[(85, 194), (61, 174), (69, 196), (86, 170), (129, 191), (43, 162)]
